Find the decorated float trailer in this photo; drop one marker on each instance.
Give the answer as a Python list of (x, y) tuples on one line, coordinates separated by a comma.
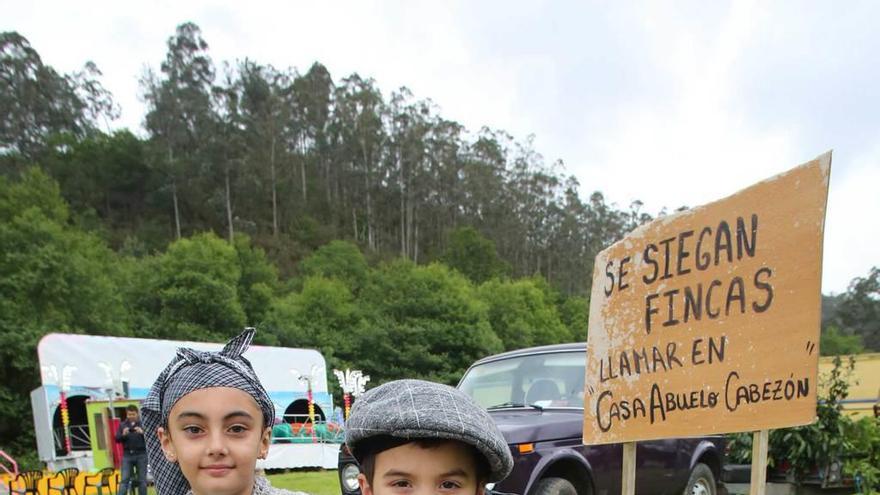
[(88, 380)]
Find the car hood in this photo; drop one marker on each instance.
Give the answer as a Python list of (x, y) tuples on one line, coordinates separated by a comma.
[(525, 425)]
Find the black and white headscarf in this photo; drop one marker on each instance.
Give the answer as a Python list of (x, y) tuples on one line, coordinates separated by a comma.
[(189, 371)]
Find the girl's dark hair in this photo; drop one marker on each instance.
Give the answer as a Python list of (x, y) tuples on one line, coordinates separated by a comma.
[(368, 449)]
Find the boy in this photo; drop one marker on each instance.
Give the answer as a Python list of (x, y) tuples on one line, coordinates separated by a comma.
[(207, 420), (414, 437)]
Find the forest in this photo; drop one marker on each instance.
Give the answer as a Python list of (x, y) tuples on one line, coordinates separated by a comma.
[(325, 212)]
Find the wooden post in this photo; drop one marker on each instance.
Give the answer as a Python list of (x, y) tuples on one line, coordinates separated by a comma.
[(758, 485), (628, 485)]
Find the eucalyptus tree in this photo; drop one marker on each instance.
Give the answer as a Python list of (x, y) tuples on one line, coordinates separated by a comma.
[(409, 126), (180, 113), (532, 188), (445, 155), (575, 259), (227, 142), (357, 121), (313, 95), (105, 173), (488, 201), (37, 102), (267, 109)]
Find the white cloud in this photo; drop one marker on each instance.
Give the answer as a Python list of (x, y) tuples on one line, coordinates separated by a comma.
[(852, 230), (700, 145)]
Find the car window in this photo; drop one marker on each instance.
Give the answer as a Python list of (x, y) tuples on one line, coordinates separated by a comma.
[(545, 380)]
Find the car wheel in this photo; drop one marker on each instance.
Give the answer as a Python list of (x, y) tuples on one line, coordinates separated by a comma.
[(554, 486), (701, 481)]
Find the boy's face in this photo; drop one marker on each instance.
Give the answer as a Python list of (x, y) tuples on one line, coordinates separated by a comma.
[(216, 436), (131, 416), (409, 469)]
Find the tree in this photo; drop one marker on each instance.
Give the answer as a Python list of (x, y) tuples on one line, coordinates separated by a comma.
[(574, 263), (834, 343), (107, 174), (574, 311), (179, 108), (53, 278), (196, 291), (358, 126), (859, 310), (266, 110), (258, 282), (324, 315), (313, 93), (406, 165), (227, 144), (36, 102), (473, 255), (439, 186), (521, 315), (485, 203), (432, 324), (339, 260)]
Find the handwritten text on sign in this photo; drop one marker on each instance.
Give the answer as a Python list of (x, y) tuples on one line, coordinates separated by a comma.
[(708, 321)]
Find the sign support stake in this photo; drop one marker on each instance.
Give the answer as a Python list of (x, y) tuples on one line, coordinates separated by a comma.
[(760, 441), (628, 485)]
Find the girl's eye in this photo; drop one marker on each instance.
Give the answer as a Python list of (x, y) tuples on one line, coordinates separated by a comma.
[(237, 429), (192, 429), (450, 485), (400, 484)]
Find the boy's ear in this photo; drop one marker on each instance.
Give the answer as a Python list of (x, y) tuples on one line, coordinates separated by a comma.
[(265, 441), (167, 444), (366, 489)]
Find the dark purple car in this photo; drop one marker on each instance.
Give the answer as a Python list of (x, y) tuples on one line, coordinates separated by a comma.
[(535, 396)]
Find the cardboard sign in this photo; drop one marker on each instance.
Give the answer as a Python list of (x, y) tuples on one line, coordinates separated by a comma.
[(707, 321)]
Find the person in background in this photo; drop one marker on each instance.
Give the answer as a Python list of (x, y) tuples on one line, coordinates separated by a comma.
[(134, 451)]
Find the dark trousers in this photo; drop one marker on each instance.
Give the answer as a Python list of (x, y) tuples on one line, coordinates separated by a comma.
[(129, 461)]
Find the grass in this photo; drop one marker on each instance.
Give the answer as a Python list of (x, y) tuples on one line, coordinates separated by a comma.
[(323, 482)]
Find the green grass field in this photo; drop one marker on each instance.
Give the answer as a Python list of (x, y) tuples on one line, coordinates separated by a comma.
[(312, 482), (324, 482)]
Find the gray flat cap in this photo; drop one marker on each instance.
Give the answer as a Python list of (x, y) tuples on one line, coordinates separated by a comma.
[(411, 409)]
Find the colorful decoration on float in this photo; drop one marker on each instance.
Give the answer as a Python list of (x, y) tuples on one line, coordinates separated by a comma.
[(314, 374), (65, 421), (63, 382), (353, 383)]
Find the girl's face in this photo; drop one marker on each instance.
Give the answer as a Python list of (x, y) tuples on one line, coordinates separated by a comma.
[(216, 435)]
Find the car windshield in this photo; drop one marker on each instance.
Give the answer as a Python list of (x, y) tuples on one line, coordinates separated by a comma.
[(539, 380)]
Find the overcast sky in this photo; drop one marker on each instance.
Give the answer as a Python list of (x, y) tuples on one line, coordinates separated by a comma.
[(671, 103)]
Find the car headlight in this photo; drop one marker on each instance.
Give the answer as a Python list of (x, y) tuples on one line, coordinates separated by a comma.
[(350, 474)]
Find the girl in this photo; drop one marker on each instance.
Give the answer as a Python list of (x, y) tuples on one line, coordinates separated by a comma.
[(208, 419)]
